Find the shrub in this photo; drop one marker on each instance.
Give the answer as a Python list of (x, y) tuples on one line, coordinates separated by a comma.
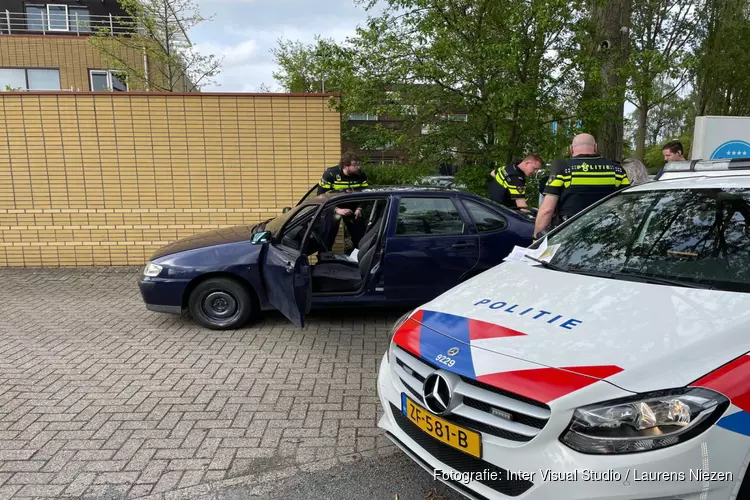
[(395, 174)]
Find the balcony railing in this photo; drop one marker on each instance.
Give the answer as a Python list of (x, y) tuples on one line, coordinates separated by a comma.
[(72, 22)]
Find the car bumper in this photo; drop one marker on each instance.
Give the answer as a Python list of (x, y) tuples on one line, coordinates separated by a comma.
[(578, 476), (162, 295)]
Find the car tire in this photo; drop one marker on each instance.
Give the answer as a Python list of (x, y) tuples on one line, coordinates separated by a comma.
[(221, 304)]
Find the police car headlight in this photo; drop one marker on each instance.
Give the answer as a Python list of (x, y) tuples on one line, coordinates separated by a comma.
[(644, 422), (398, 324), (152, 270)]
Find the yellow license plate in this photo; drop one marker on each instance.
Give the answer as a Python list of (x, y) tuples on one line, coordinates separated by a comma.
[(462, 439)]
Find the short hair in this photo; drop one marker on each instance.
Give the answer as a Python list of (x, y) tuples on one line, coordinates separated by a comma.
[(673, 146), (535, 157), (636, 171), (347, 159)]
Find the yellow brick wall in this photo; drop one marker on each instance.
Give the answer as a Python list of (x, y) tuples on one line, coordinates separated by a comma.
[(105, 179), (74, 56)]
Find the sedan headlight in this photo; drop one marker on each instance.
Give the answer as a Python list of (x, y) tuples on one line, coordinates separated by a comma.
[(152, 270), (644, 422)]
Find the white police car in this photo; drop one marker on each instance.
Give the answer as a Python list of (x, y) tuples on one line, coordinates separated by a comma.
[(616, 366)]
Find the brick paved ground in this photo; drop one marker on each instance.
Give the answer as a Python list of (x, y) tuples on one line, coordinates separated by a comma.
[(100, 398)]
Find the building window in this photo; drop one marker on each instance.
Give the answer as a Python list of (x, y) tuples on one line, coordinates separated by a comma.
[(57, 16), (29, 79), (53, 17), (107, 80), (79, 19), (36, 17), (363, 117)]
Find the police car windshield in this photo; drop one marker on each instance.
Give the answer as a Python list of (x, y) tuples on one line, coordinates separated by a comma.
[(696, 236)]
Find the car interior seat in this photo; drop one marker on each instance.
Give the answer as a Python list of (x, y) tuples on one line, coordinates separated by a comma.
[(332, 274)]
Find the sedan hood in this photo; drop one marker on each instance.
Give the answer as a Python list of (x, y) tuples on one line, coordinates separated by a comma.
[(638, 336), (207, 239)]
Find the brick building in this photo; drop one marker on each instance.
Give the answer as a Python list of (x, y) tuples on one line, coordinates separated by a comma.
[(45, 46)]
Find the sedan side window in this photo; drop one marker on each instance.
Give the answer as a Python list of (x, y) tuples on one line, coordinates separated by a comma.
[(428, 216), (484, 218)]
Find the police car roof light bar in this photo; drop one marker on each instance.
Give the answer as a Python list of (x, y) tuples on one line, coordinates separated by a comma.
[(708, 165)]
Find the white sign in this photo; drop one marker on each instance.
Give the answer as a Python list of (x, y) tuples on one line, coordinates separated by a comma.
[(721, 137)]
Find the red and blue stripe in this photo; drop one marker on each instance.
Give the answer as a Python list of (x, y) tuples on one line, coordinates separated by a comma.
[(427, 334), (733, 381)]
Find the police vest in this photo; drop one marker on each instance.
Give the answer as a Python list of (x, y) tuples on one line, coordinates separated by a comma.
[(333, 179), (584, 180)]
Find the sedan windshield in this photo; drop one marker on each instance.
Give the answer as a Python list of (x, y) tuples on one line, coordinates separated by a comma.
[(693, 237)]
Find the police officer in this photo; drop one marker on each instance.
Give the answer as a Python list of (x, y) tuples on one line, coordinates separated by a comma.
[(344, 177), (574, 184), (508, 186)]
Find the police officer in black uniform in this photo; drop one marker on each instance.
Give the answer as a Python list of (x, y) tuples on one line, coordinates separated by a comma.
[(508, 185), (577, 183), (345, 176)]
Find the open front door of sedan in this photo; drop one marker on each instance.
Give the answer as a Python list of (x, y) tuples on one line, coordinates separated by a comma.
[(286, 276), (285, 268)]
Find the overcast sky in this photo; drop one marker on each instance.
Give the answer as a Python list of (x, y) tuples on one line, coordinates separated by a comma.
[(245, 31)]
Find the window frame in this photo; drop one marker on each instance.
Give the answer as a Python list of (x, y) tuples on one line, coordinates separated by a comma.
[(108, 73), (467, 228), (49, 18), (466, 203)]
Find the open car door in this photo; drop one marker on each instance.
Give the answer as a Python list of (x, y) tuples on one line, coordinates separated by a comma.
[(286, 270)]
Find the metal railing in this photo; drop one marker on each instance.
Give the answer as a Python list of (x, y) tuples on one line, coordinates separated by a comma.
[(75, 24)]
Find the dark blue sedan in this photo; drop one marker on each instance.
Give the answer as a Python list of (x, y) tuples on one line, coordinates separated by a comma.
[(413, 244)]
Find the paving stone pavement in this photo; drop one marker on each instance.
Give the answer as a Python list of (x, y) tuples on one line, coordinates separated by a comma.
[(100, 398)]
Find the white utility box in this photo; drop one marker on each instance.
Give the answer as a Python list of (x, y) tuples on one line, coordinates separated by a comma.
[(721, 137)]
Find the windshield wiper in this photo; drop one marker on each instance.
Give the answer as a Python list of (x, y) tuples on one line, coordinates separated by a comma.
[(546, 264), (658, 280)]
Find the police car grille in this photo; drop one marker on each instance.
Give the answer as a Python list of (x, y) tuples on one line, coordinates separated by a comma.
[(462, 462), (520, 418), (484, 408)]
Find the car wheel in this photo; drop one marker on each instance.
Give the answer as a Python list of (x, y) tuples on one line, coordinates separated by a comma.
[(221, 304)]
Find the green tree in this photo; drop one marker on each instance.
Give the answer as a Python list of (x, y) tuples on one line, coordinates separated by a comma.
[(157, 30), (603, 57), (660, 58), (315, 67), (722, 83), (478, 80)]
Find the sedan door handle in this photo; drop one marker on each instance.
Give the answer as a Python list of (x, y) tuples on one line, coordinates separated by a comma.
[(289, 267), (463, 244)]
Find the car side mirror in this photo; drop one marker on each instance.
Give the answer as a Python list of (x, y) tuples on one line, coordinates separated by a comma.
[(285, 210), (261, 237)]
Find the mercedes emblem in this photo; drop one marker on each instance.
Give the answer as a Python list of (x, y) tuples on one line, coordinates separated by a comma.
[(453, 351), (437, 393)]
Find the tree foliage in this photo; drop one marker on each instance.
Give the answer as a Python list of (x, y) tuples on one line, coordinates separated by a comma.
[(157, 30), (722, 83), (662, 49), (478, 82)]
